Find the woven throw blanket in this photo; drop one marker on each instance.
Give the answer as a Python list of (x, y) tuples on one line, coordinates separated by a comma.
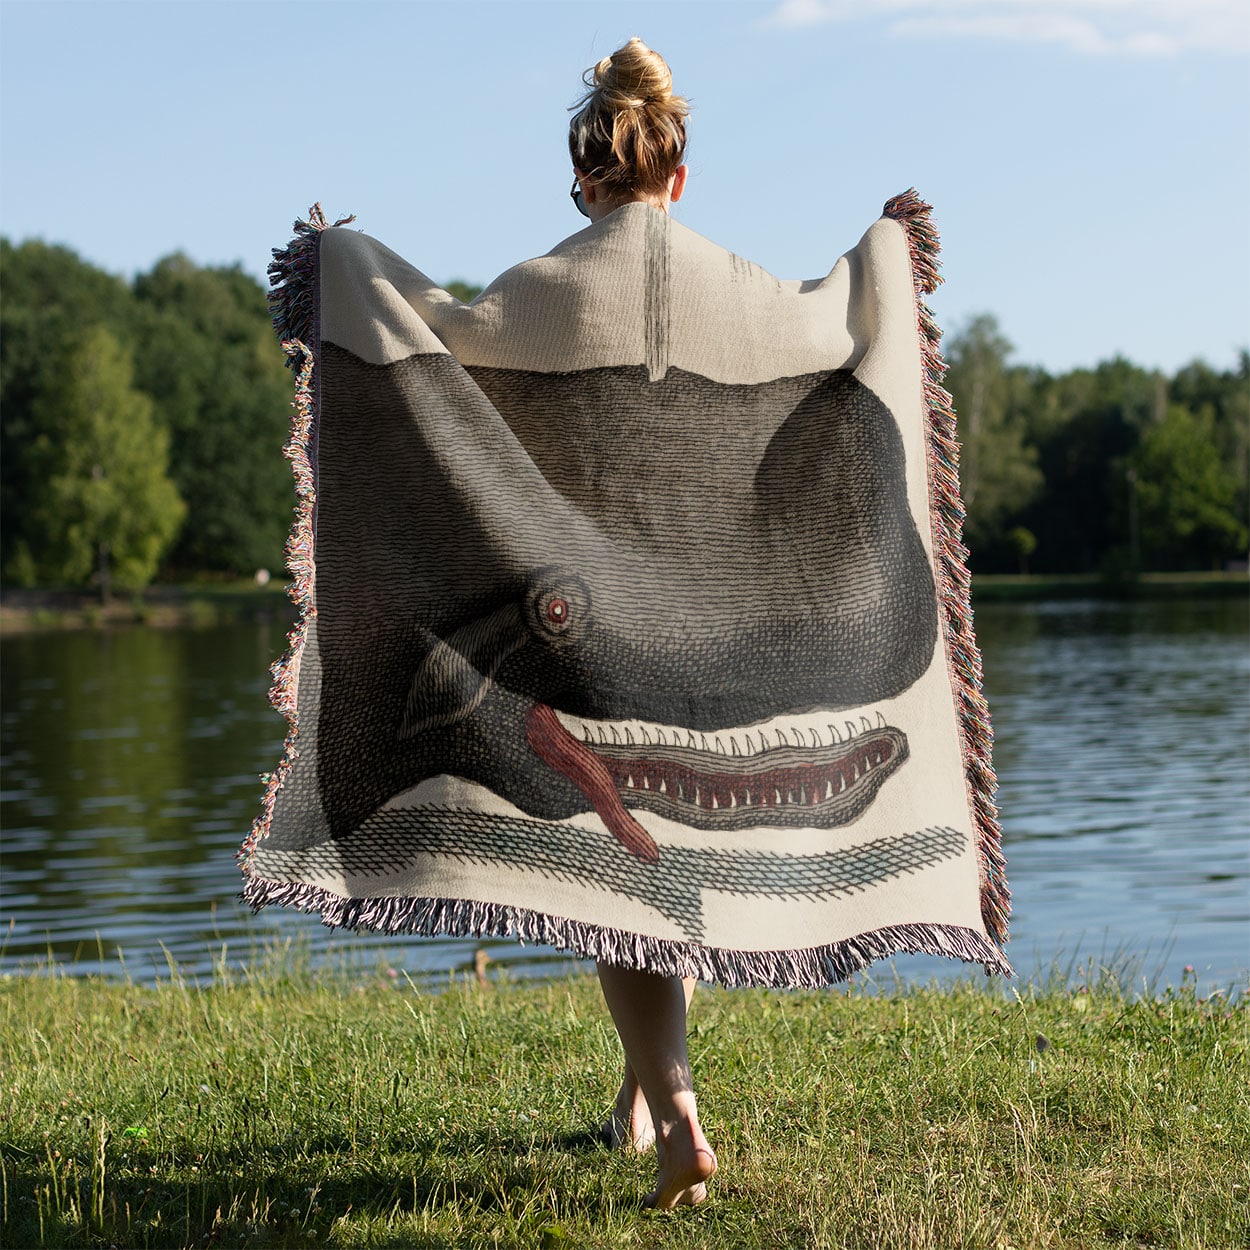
[(635, 619)]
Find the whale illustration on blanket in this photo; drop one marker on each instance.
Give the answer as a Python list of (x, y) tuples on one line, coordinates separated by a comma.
[(634, 612), (708, 648)]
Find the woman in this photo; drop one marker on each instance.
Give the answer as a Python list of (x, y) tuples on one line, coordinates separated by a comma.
[(628, 141), (637, 625)]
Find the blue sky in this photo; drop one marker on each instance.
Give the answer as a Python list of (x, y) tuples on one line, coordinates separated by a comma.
[(1088, 159)]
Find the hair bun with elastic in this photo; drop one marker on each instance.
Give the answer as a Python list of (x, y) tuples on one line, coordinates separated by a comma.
[(629, 130)]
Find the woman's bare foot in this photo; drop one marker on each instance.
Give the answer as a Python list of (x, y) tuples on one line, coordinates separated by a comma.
[(649, 1011), (629, 1126), (686, 1165)]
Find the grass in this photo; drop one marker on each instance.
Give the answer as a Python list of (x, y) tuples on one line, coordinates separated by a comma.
[(279, 1107)]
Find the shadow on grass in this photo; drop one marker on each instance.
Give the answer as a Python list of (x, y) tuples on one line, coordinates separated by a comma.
[(280, 1195)]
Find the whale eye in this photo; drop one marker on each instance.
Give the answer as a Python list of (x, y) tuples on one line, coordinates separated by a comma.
[(557, 607)]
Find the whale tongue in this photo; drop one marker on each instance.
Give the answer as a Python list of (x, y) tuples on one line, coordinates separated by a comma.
[(557, 748)]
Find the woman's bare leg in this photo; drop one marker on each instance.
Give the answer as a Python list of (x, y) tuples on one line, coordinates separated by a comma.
[(629, 1127), (650, 1015)]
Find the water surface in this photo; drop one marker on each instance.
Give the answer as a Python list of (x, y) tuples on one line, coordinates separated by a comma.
[(131, 760)]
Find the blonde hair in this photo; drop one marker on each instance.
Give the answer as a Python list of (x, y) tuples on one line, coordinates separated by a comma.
[(629, 131)]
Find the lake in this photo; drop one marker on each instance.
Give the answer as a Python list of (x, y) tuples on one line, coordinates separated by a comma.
[(131, 759)]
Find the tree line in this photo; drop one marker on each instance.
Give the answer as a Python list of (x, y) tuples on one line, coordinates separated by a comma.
[(1113, 470), (140, 425)]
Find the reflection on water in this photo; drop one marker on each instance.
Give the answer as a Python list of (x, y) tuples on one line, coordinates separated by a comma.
[(131, 758)]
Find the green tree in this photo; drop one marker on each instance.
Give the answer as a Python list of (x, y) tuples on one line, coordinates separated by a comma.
[(104, 508), (208, 358), (465, 292), (1223, 399), (1086, 424), (1024, 543), (997, 466), (1187, 493), (51, 297)]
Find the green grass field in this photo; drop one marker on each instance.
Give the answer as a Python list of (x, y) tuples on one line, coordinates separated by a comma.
[(282, 1108)]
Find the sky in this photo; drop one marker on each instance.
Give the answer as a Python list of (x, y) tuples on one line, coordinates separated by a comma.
[(1088, 160)]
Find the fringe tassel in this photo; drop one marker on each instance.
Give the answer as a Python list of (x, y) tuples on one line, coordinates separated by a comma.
[(954, 580), (812, 968), (294, 304)]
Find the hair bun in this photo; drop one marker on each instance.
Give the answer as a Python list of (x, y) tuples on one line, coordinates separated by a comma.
[(634, 76), (629, 129)]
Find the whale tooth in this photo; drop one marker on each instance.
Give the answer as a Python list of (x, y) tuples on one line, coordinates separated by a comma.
[(681, 791), (781, 738), (603, 738), (802, 797), (850, 729), (715, 804), (690, 742), (815, 737), (696, 796), (616, 738), (659, 737), (703, 739), (629, 782), (763, 741), (646, 782), (880, 721), (663, 786), (720, 746), (829, 789), (733, 799), (776, 797), (835, 739), (587, 736), (733, 745), (746, 798), (867, 724), (629, 738), (646, 738), (799, 739)]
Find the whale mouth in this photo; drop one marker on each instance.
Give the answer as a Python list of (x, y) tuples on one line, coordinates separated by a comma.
[(817, 786), (795, 777)]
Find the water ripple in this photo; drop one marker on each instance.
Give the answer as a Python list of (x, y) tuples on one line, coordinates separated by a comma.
[(131, 764)]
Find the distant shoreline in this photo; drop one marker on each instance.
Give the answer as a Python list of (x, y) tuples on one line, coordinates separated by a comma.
[(207, 604), (163, 606), (1012, 587)]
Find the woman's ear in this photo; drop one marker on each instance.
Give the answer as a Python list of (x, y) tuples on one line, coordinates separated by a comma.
[(588, 186), (678, 185)]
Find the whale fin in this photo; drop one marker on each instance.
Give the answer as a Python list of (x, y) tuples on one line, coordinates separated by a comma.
[(458, 672)]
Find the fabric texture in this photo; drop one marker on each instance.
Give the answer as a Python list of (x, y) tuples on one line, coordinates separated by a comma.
[(634, 614)]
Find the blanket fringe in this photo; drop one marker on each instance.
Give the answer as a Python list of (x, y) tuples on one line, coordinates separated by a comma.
[(294, 300), (954, 580), (294, 305), (810, 968)]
